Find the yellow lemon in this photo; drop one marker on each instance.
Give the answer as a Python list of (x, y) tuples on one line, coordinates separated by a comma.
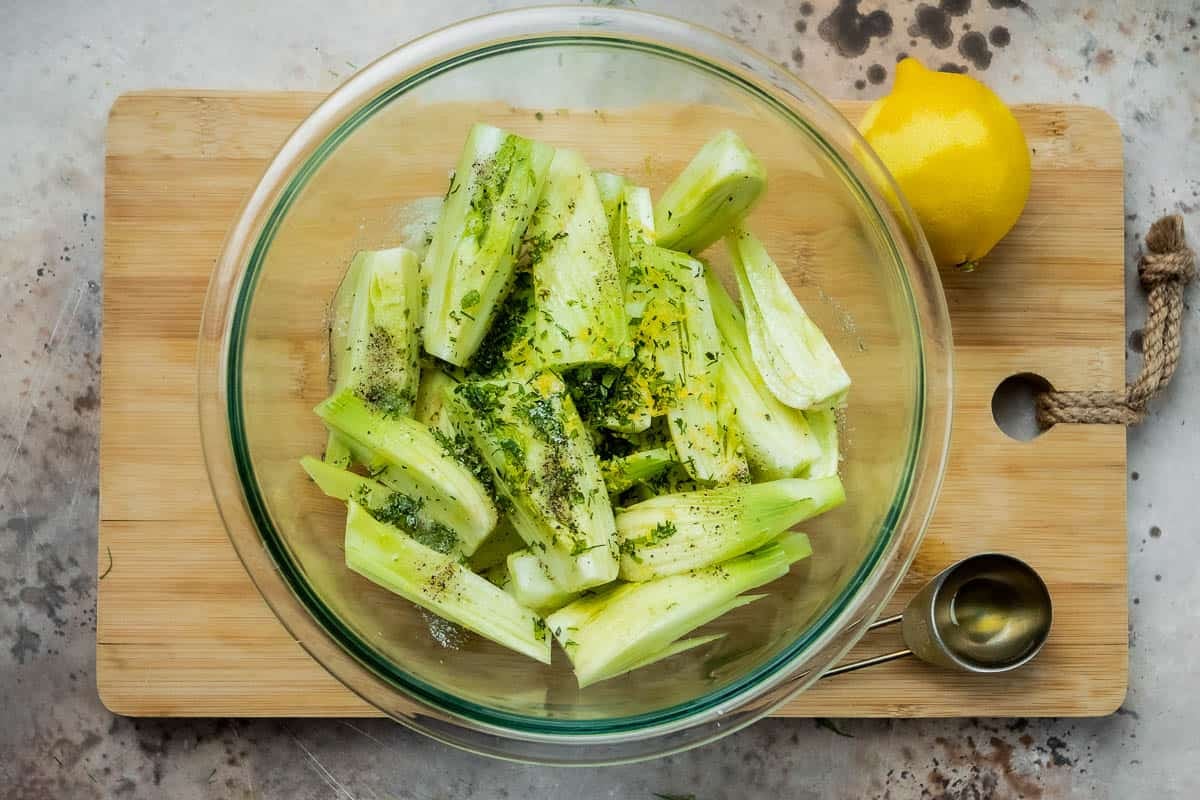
[(958, 155)]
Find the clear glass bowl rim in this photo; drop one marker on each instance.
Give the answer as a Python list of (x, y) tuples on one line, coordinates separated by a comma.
[(266, 558)]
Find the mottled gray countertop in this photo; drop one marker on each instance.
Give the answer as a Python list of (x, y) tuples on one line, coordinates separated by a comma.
[(61, 65)]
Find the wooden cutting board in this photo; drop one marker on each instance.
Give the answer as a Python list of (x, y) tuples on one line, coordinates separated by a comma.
[(181, 630)]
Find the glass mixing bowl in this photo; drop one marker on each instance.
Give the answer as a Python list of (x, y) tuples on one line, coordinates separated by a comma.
[(637, 94)]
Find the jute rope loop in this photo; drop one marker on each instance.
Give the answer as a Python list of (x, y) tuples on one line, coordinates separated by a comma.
[(1165, 270)]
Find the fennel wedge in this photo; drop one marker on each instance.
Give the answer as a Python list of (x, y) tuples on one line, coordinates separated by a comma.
[(469, 265), (416, 466), (674, 533), (792, 355), (633, 624), (387, 556), (717, 188), (579, 305), (778, 440), (542, 460)]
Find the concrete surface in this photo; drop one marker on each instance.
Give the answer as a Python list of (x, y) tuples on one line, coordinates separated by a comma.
[(62, 64)]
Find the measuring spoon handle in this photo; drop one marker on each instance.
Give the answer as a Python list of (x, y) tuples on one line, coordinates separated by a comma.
[(867, 662)]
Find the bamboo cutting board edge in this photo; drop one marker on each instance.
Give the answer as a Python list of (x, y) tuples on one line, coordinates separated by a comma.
[(208, 668)]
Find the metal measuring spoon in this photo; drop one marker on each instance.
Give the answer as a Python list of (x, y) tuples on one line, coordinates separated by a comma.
[(986, 614)]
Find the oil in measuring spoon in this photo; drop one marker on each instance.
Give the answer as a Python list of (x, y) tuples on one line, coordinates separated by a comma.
[(990, 624)]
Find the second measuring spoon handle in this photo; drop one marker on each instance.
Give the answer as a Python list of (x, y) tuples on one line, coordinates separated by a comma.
[(867, 662), (870, 662), (883, 623)]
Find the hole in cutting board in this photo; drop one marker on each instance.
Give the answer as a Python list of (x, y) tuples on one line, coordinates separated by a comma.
[(1012, 405)]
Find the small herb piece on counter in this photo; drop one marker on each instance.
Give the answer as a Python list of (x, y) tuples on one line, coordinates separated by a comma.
[(107, 569), (830, 725)]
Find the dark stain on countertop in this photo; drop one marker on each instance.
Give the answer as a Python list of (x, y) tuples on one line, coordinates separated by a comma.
[(24, 526), (850, 31), (1059, 752), (127, 756), (26, 643), (88, 401), (743, 24), (1018, 4), (988, 760), (853, 32), (974, 47), (932, 23), (1103, 60), (48, 596)]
